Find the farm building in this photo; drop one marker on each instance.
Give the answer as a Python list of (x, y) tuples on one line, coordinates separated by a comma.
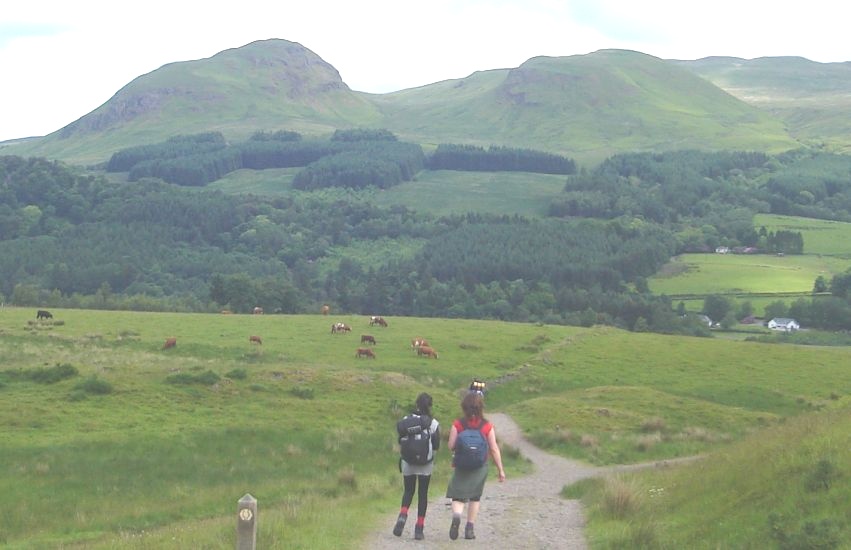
[(784, 324)]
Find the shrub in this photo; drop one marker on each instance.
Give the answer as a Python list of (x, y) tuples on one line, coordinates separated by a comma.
[(823, 535), (821, 478), (206, 378), (51, 375), (94, 385), (237, 374), (302, 392)]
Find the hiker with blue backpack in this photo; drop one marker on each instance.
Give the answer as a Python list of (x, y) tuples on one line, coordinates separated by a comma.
[(419, 438), (472, 440)]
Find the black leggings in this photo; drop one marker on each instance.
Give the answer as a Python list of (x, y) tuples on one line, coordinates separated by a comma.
[(422, 494)]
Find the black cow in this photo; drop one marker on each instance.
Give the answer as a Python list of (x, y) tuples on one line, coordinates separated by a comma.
[(43, 314)]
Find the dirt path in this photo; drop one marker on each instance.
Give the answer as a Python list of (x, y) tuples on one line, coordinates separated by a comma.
[(522, 513)]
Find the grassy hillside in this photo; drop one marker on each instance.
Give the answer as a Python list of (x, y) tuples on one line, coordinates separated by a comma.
[(112, 442), (811, 98), (784, 487), (265, 85), (585, 106)]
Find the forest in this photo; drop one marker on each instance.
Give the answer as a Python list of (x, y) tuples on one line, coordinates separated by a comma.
[(69, 238)]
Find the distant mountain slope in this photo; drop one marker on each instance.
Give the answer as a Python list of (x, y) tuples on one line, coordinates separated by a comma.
[(587, 106), (265, 85), (584, 106), (813, 99)]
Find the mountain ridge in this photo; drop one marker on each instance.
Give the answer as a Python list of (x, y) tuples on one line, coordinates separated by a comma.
[(587, 106)]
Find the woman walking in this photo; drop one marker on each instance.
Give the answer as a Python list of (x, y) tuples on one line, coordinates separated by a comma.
[(415, 429), (473, 439)]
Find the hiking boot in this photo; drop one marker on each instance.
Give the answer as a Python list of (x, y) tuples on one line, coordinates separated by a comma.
[(400, 525), (418, 532), (453, 529), (468, 531)]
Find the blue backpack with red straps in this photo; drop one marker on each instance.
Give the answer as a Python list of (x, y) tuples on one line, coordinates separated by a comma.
[(471, 447)]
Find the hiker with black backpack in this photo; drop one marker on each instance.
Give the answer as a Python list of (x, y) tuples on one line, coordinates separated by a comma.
[(419, 438), (472, 439)]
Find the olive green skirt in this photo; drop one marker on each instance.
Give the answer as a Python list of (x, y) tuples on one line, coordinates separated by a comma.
[(467, 484)]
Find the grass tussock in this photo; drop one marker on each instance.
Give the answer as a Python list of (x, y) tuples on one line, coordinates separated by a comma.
[(620, 498)]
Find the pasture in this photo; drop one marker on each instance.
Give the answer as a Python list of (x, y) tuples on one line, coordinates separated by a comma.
[(825, 237), (446, 192), (111, 441), (702, 274), (438, 192)]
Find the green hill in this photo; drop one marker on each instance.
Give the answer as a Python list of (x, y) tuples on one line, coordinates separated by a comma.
[(265, 85), (811, 98), (585, 106)]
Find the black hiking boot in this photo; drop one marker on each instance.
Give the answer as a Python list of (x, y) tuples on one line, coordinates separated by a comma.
[(453, 529), (400, 525), (468, 531), (418, 532)]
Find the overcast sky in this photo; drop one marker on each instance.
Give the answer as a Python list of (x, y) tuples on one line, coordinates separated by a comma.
[(61, 59)]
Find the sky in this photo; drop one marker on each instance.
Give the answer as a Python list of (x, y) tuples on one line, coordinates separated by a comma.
[(61, 59)]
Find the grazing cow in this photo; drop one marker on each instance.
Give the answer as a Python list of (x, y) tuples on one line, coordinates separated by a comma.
[(366, 338), (364, 352), (426, 352), (226, 312), (340, 327), (170, 343), (258, 310), (417, 343), (375, 320), (255, 340), (325, 310), (43, 314)]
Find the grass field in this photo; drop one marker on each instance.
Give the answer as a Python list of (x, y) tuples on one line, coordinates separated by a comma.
[(825, 237), (439, 192), (445, 192), (701, 274), (110, 441)]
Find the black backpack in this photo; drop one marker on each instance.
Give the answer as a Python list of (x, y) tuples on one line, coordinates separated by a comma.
[(471, 447), (415, 438)]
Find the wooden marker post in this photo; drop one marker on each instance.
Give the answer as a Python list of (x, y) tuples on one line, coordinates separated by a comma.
[(246, 523)]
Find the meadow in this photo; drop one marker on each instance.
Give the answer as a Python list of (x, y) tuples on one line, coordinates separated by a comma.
[(821, 237), (743, 274), (110, 441), (438, 192)]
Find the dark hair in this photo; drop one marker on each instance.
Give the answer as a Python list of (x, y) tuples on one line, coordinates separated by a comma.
[(424, 403), (473, 405)]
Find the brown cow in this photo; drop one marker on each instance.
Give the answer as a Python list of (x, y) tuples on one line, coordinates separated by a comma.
[(170, 343), (376, 320), (258, 310), (340, 327), (325, 310), (255, 340), (366, 338), (427, 352), (417, 343), (365, 352)]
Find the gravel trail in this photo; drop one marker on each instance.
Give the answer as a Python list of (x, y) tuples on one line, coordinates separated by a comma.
[(522, 513)]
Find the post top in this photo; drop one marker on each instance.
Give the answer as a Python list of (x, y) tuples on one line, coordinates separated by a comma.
[(247, 499)]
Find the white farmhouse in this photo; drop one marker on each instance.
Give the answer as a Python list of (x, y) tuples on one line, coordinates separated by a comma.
[(784, 324)]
